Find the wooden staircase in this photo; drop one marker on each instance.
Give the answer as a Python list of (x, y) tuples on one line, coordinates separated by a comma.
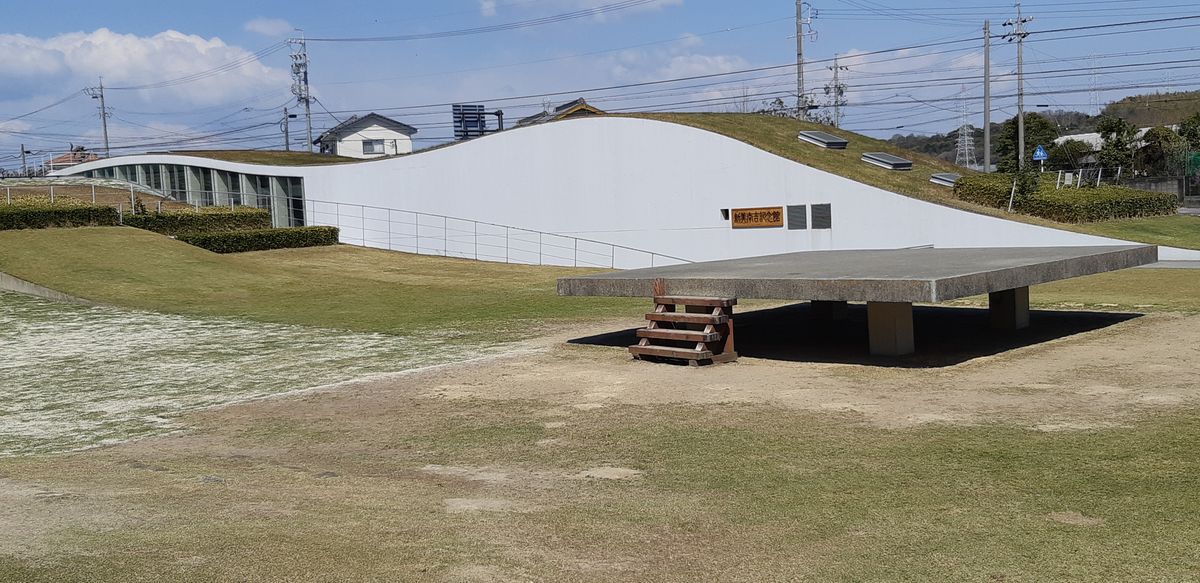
[(701, 334)]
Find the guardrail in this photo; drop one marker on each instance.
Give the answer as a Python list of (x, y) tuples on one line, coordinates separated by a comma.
[(414, 231), (434, 234)]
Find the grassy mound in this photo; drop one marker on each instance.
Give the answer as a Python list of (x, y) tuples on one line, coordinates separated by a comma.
[(334, 287)]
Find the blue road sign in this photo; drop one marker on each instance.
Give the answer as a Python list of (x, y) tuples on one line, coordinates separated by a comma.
[(1040, 154)]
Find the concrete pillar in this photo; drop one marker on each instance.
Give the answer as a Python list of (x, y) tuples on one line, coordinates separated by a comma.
[(830, 311), (1009, 309), (890, 325)]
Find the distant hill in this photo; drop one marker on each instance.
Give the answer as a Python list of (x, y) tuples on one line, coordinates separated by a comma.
[(1156, 108), (1146, 110)]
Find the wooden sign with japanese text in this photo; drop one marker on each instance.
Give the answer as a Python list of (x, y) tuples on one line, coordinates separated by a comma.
[(757, 218)]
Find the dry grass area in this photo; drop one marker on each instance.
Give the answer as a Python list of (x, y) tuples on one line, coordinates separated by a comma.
[(1069, 460)]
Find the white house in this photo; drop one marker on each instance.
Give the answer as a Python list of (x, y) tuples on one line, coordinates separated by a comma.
[(369, 136)]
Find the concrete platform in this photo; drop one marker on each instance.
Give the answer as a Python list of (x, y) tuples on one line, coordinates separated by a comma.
[(888, 280), (892, 275)]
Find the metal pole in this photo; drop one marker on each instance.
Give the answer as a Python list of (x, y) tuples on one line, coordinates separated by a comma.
[(576, 253), (389, 228), (476, 223), (51, 193), (506, 244), (445, 237), (801, 110), (539, 248), (987, 96), (93, 194), (132, 199), (287, 137), (104, 119), (8, 194), (417, 231), (612, 263)]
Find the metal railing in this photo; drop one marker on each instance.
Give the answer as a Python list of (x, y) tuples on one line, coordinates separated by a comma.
[(411, 231), (435, 234)]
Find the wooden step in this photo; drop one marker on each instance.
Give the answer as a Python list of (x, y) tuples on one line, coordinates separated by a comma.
[(696, 301), (668, 352), (687, 318), (681, 335)]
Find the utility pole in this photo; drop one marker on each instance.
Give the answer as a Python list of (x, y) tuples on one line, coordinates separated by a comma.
[(1019, 35), (837, 91), (300, 82), (286, 123), (987, 96), (802, 20), (24, 167), (98, 93)]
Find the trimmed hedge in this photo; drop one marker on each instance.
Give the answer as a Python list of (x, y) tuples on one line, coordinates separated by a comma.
[(205, 220), (43, 214), (263, 239), (1067, 205), (1086, 205)]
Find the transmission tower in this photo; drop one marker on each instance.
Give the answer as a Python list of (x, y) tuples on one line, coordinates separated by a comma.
[(805, 14), (300, 83), (836, 91), (965, 152)]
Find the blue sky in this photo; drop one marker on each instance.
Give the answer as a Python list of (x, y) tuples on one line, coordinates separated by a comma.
[(52, 54)]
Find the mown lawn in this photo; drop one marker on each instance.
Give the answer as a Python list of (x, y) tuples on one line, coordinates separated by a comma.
[(726, 493), (1174, 231), (336, 287)]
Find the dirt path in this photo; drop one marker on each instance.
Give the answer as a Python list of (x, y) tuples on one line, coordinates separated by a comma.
[(1091, 380)]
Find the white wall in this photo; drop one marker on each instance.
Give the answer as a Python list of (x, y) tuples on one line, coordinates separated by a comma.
[(650, 185), (394, 142)]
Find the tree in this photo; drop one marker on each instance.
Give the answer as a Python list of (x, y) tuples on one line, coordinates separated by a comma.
[(1119, 136), (1189, 130), (1068, 155), (1038, 130), (1163, 153)]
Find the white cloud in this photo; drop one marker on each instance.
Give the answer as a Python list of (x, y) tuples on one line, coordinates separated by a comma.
[(488, 8), (274, 27), (35, 66)]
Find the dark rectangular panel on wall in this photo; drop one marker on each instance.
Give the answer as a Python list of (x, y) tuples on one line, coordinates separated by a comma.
[(797, 217), (822, 216)]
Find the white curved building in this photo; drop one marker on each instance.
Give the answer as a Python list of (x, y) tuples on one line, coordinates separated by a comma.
[(613, 185)]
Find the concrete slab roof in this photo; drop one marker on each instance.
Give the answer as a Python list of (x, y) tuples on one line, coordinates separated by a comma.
[(885, 275)]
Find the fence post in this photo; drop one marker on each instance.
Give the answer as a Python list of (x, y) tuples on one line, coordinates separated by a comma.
[(93, 194), (506, 244), (576, 252), (417, 231), (362, 221), (539, 247), (51, 193), (612, 262), (389, 228), (160, 206), (8, 194), (476, 223), (132, 198), (445, 237)]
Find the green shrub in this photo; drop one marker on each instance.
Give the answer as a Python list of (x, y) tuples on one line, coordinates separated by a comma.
[(36, 213), (1085, 205), (205, 220), (263, 239), (1067, 205)]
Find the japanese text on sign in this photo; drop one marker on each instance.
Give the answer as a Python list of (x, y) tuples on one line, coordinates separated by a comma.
[(754, 218)]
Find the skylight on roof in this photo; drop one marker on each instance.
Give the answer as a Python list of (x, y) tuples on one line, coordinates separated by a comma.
[(885, 160), (824, 139)]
